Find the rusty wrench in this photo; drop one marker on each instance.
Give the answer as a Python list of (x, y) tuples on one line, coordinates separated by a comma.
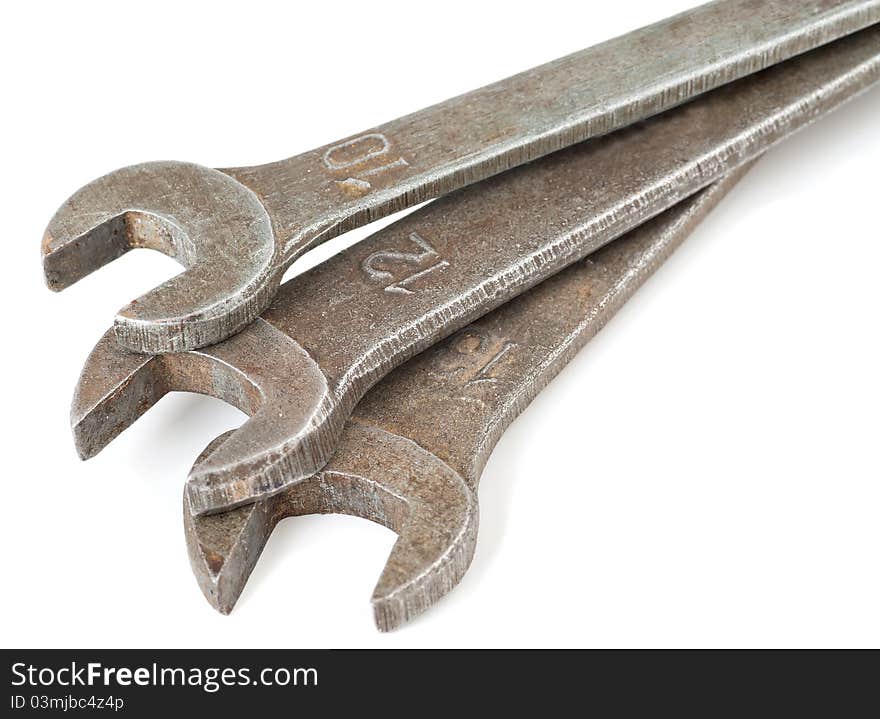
[(237, 230), (333, 332), (412, 453)]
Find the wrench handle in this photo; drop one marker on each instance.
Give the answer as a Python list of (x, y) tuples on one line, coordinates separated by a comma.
[(322, 193), (365, 311), (456, 399)]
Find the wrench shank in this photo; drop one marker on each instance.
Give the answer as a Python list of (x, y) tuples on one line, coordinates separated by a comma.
[(457, 399), (397, 291), (327, 191)]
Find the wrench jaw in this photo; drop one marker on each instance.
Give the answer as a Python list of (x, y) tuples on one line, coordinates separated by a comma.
[(375, 475), (209, 222), (260, 371), (223, 548), (115, 387), (429, 559), (437, 535), (290, 438)]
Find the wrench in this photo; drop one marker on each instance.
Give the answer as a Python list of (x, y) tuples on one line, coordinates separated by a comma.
[(237, 230), (333, 332), (412, 453)]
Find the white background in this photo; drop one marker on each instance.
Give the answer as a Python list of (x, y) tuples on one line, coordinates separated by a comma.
[(705, 473)]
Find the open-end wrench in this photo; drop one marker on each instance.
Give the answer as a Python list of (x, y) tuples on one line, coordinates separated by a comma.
[(237, 230), (413, 451), (333, 332)]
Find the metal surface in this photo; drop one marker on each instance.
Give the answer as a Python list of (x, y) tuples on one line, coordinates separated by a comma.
[(412, 454), (330, 334), (237, 230)]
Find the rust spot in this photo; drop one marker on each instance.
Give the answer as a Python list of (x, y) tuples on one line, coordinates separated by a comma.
[(213, 559), (468, 344), (353, 187)]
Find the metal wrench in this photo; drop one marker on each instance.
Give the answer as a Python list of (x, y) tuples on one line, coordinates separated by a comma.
[(333, 332), (237, 230), (413, 451)]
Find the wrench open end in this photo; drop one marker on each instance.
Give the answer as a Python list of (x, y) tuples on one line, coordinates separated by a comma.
[(209, 222), (260, 371), (378, 476)]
